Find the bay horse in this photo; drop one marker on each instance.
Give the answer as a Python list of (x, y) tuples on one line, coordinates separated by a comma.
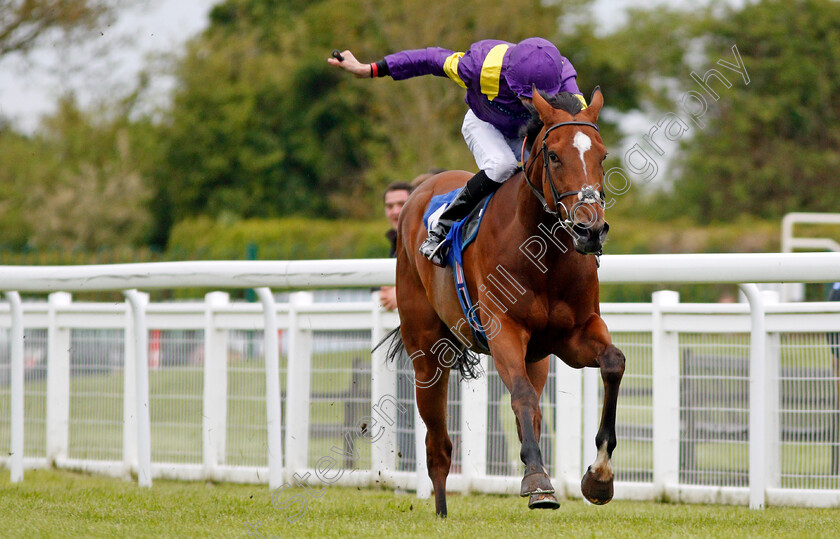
[(531, 272)]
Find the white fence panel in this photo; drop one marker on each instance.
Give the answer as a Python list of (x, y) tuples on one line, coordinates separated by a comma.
[(720, 403)]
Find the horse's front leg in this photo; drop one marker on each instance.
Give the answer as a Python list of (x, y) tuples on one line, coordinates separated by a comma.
[(597, 483), (509, 357), (591, 346)]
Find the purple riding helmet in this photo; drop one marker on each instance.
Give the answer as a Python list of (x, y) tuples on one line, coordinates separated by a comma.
[(534, 61)]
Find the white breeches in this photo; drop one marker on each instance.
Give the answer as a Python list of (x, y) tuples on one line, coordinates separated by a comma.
[(495, 154)]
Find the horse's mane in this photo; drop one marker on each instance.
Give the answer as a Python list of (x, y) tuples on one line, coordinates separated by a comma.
[(564, 101)]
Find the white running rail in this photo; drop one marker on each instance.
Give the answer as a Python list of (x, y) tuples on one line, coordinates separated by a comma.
[(663, 323)]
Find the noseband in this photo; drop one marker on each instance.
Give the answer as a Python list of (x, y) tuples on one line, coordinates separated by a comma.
[(587, 194)]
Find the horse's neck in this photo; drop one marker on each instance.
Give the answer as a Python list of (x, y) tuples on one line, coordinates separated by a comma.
[(529, 245)]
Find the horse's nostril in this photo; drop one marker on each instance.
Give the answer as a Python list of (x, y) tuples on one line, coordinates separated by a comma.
[(592, 233), (582, 230)]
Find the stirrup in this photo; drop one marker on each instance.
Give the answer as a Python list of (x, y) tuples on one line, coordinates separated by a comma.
[(434, 249)]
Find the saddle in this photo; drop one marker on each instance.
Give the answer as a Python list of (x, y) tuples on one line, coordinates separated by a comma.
[(460, 236)]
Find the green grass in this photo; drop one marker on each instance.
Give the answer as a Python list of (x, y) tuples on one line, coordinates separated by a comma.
[(62, 504)]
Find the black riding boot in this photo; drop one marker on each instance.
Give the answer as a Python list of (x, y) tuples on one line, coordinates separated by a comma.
[(477, 187)]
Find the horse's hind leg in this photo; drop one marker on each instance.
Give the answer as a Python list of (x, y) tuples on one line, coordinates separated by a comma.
[(597, 482), (509, 358), (431, 403), (428, 350), (425, 340)]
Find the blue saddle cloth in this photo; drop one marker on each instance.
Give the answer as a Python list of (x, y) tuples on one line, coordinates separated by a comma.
[(462, 232), (459, 237)]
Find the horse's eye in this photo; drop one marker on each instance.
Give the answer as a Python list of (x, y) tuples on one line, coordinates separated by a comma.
[(553, 157)]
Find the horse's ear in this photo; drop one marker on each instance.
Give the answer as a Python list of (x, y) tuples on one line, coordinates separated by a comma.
[(543, 107), (595, 104)]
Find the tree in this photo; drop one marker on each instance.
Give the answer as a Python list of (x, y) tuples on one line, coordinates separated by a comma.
[(23, 23), (19, 161), (258, 129), (262, 126), (770, 146), (783, 128), (78, 184)]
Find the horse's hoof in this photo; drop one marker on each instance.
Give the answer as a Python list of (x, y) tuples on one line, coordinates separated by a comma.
[(543, 501), (595, 490), (536, 481)]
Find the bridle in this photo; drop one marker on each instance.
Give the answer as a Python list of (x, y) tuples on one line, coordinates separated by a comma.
[(587, 194)]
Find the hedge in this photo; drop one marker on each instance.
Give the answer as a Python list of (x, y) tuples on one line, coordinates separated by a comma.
[(278, 239)]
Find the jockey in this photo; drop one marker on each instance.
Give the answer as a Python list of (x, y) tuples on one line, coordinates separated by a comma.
[(498, 77)]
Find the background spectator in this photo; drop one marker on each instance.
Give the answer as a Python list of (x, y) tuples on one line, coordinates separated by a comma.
[(394, 198)]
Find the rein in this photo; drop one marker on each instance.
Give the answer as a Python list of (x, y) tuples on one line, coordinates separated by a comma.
[(586, 194)]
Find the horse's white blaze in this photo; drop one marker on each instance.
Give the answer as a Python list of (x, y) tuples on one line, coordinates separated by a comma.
[(583, 143)]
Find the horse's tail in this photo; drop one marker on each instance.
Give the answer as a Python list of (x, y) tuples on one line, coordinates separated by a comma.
[(395, 347), (467, 363)]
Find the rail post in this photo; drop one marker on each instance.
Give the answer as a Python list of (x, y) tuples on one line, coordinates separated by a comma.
[(591, 384), (385, 409), (215, 385), (474, 403), (666, 396), (58, 379), (424, 484), (298, 381), (272, 391), (773, 360), (758, 398), (568, 410), (138, 302), (129, 396), (17, 388)]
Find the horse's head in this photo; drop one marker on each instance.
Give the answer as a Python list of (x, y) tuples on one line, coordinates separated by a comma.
[(565, 168)]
